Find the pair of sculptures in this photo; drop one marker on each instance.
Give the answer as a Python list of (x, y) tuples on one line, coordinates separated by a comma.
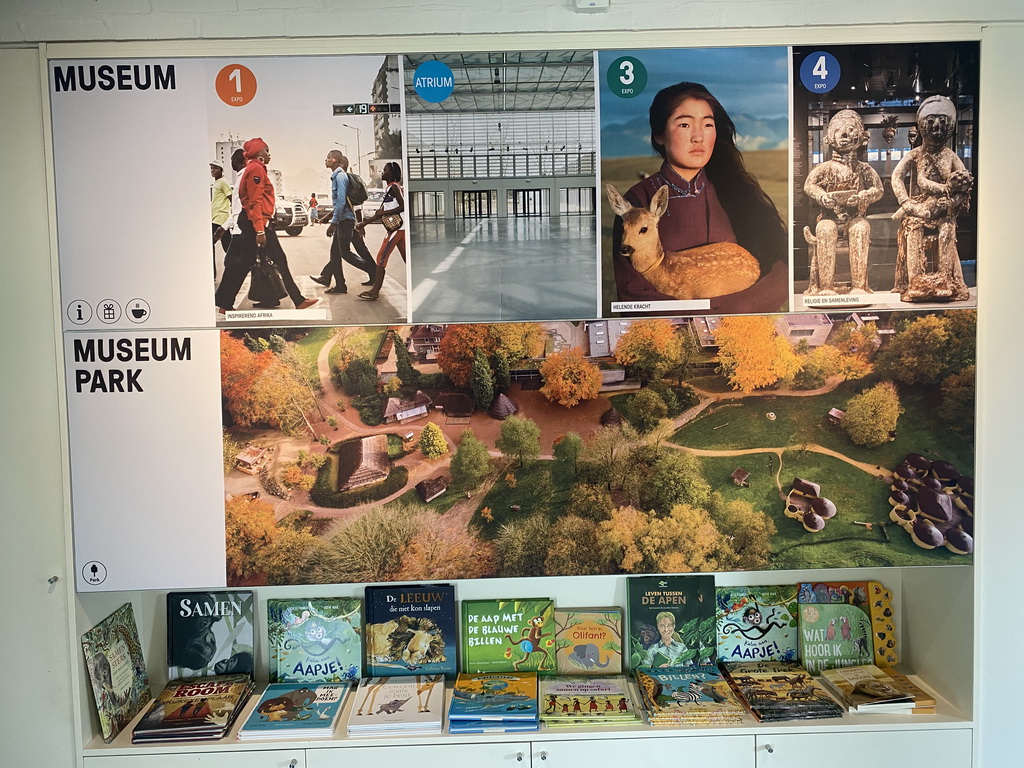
[(932, 187)]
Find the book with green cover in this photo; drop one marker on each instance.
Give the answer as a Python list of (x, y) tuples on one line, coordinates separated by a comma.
[(843, 624), (314, 640), (671, 620), (513, 635), (588, 641), (117, 670), (586, 700)]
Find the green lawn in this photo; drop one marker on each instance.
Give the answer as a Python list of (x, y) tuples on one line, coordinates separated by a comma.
[(309, 346), (440, 505), (532, 481)]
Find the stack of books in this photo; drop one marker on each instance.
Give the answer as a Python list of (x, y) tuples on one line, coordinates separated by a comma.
[(401, 704), (866, 688), (297, 710), (585, 701), (775, 691), (196, 709), (697, 695), (494, 702)]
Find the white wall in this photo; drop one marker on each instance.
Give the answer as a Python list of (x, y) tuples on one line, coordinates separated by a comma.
[(35, 636)]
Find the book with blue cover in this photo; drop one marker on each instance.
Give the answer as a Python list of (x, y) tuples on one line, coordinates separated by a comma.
[(494, 696), (410, 629), (304, 710), (314, 640)]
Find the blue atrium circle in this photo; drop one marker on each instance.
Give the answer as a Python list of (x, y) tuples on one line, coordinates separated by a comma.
[(433, 81)]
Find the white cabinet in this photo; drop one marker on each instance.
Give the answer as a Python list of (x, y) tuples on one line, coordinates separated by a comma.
[(505, 755), (934, 748), (272, 758), (677, 751)]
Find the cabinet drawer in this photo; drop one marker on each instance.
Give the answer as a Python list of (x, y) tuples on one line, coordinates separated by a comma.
[(675, 751), (283, 758), (936, 748), (506, 755)]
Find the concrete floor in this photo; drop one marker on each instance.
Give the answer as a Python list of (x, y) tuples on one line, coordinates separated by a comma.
[(489, 270)]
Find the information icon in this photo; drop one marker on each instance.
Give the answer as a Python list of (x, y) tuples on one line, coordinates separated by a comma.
[(79, 312)]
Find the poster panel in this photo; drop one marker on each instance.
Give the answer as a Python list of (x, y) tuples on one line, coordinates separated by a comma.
[(711, 128), (145, 186), (146, 459), (885, 166), (502, 183)]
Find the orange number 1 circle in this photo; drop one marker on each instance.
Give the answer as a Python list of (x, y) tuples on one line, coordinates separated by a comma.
[(236, 85)]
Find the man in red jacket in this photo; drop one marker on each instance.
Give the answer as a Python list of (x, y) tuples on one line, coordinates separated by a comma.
[(256, 193)]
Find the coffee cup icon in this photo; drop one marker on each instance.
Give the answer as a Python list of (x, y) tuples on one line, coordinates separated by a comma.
[(138, 310)]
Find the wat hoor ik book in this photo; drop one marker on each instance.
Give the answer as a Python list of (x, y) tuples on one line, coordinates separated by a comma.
[(775, 691), (586, 700), (588, 641), (693, 695), (671, 620), (295, 710), (757, 623), (117, 670), (314, 640), (411, 630), (844, 624), (494, 702), (194, 709), (402, 704), (514, 635), (209, 633)]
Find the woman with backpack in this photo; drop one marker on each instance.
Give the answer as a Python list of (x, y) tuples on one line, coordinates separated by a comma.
[(390, 215)]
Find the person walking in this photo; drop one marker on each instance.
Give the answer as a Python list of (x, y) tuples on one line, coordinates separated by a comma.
[(256, 193), (342, 231), (390, 215), (220, 209)]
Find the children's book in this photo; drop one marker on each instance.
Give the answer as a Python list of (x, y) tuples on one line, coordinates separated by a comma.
[(410, 630), (671, 620), (694, 695), (586, 700), (404, 704), (515, 635), (314, 640), (492, 726), (494, 696), (757, 623), (209, 633), (588, 641), (117, 670), (194, 709), (866, 688), (774, 691), (295, 710), (844, 624)]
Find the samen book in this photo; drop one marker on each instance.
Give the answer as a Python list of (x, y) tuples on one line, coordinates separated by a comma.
[(757, 623), (209, 633), (514, 635), (671, 620), (117, 670), (588, 641), (314, 640), (410, 630)]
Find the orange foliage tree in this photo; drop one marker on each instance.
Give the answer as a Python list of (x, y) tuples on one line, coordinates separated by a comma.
[(249, 530), (458, 348), (751, 354), (240, 369), (569, 378), (648, 347), (443, 549)]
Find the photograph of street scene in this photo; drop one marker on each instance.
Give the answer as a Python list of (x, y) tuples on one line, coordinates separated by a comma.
[(885, 166), (695, 150), (311, 122), (379, 453), (502, 187)]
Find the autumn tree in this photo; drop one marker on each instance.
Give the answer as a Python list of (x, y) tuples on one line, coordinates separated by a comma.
[(684, 541), (856, 345), (569, 378), (676, 477), (285, 560), (567, 450), (522, 546), (368, 548), (607, 449), (239, 370), (481, 381), (458, 348), (519, 438), (441, 548), (432, 441), (957, 407), (871, 416), (817, 366), (646, 409), (619, 538), (471, 462), (928, 349), (573, 548), (648, 348), (593, 502), (746, 534), (403, 362), (751, 354), (249, 530), (282, 399), (517, 341)]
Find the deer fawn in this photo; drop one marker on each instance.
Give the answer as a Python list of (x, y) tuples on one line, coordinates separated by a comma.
[(704, 272)]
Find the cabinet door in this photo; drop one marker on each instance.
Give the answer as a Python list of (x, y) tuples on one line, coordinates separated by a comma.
[(936, 749), (507, 755), (283, 758), (676, 751)]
